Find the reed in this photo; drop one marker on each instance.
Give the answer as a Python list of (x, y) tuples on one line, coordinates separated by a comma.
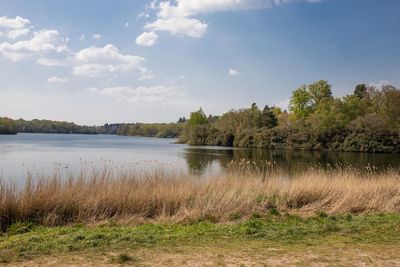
[(161, 195)]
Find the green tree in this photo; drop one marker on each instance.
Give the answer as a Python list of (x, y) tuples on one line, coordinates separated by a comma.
[(360, 90), (198, 118), (300, 103), (319, 91), (268, 118), (7, 126)]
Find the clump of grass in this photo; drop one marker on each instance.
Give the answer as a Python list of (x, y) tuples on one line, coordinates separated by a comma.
[(20, 228), (274, 212), (171, 196), (235, 216), (322, 214), (124, 258), (4, 259)]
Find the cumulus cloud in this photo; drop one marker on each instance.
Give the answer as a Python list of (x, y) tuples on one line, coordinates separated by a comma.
[(100, 61), (42, 42), (48, 48), (179, 26), (147, 39), (233, 72), (156, 94), (16, 23), (14, 27), (14, 34), (56, 79), (54, 62), (178, 16)]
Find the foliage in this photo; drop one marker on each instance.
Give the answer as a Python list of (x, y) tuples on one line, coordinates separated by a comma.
[(7, 126), (161, 130), (366, 121), (48, 126)]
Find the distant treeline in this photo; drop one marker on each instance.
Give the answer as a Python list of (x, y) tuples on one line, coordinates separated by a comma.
[(161, 130), (366, 121), (165, 130)]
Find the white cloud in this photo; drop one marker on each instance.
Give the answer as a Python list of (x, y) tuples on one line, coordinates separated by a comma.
[(233, 72), (155, 94), (96, 36), (42, 42), (178, 16), (100, 61), (54, 62), (16, 23), (179, 26), (147, 39), (14, 34), (187, 8), (14, 28), (82, 37), (56, 79), (48, 48)]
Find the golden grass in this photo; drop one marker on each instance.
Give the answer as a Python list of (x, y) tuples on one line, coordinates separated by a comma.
[(173, 196)]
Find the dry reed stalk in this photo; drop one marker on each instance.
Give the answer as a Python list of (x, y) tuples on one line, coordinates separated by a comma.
[(168, 196)]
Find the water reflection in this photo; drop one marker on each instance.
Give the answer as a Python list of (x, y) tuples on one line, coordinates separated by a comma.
[(200, 158)]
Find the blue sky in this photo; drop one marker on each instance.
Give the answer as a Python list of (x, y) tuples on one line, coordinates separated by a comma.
[(99, 61)]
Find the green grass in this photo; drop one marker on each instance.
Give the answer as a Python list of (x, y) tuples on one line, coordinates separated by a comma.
[(25, 241)]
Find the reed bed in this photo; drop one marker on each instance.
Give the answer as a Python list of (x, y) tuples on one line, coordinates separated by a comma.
[(174, 196)]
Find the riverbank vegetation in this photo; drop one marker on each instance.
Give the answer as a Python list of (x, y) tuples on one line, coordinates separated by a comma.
[(366, 121), (7, 126), (173, 196)]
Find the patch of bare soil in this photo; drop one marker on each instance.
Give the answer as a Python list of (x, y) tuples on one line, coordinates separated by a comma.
[(222, 256)]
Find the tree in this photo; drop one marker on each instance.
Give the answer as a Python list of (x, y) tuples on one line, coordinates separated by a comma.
[(7, 126), (300, 103), (181, 120), (198, 118), (353, 107), (319, 91), (268, 118), (360, 90)]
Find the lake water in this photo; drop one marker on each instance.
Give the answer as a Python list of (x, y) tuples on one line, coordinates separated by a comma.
[(44, 153)]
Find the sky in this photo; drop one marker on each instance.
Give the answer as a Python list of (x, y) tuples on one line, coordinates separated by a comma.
[(99, 61)]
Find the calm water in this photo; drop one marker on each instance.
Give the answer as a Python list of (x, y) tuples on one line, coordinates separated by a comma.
[(44, 153)]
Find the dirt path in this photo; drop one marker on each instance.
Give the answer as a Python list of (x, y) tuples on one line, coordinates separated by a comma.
[(247, 255)]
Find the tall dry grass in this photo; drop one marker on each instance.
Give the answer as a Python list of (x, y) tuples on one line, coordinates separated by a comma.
[(161, 195)]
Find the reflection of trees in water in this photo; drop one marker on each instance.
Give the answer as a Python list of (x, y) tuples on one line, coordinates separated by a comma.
[(199, 158)]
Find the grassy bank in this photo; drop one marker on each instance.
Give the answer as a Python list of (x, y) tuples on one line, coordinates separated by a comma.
[(269, 238), (170, 196)]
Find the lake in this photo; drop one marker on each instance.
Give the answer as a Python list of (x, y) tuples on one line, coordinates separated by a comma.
[(44, 153)]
